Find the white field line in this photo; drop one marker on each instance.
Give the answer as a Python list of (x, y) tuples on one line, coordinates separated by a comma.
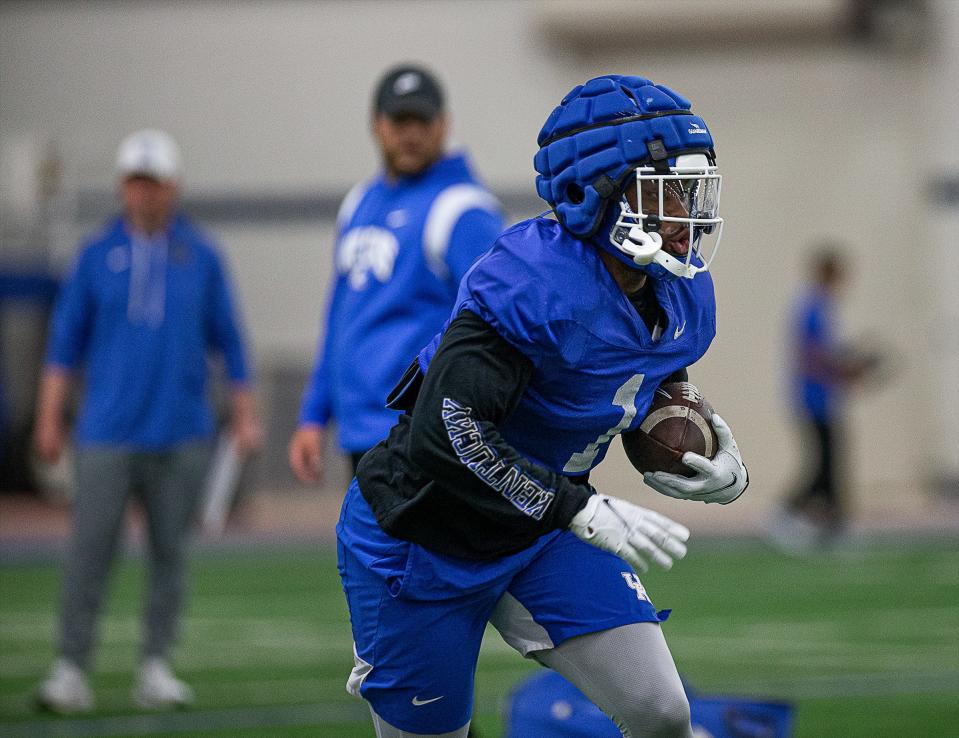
[(944, 682), (898, 618), (27, 625), (731, 644), (116, 660)]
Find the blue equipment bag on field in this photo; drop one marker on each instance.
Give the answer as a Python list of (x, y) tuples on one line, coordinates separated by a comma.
[(546, 705)]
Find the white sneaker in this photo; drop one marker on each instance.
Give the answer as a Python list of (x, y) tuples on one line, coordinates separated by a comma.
[(793, 533), (156, 687), (66, 689)]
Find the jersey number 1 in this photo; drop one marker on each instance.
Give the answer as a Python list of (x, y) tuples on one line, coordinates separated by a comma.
[(624, 398)]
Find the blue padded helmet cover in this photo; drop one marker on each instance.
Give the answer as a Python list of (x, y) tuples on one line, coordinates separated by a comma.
[(603, 128)]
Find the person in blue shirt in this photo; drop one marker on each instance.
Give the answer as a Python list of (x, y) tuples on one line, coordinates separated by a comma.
[(477, 507), (403, 241), (824, 369), (147, 301)]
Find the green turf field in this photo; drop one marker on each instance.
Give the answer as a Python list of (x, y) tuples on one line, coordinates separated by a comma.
[(865, 643)]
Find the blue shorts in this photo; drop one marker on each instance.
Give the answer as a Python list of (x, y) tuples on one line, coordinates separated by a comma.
[(418, 616)]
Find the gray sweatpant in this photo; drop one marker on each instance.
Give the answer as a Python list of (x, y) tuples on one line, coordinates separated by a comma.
[(627, 672), (168, 483)]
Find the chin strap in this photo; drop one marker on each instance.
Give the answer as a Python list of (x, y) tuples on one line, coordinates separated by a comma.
[(645, 248), (641, 246)]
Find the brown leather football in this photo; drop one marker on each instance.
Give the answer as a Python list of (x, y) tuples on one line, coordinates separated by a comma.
[(678, 421)]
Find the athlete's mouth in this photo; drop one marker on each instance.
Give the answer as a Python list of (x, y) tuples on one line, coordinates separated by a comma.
[(678, 246)]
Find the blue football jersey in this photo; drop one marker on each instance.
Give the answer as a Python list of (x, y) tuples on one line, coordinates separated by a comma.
[(596, 364)]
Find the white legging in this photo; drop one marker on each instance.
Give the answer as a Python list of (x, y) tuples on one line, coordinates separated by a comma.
[(628, 672)]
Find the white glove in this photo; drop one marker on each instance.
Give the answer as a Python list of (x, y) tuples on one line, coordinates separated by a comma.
[(630, 531), (721, 479)]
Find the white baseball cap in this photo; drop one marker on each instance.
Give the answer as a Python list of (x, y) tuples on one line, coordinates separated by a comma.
[(150, 153)]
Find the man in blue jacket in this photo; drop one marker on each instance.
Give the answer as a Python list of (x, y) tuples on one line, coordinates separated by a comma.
[(404, 239), (147, 300)]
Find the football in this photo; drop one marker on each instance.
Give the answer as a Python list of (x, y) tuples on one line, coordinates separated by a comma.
[(678, 421)]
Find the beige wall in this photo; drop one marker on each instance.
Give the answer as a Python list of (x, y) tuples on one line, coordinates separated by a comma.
[(814, 139)]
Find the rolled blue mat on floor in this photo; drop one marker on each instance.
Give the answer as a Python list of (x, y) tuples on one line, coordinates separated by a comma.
[(548, 705)]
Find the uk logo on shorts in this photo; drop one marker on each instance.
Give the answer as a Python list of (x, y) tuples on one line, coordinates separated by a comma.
[(632, 581)]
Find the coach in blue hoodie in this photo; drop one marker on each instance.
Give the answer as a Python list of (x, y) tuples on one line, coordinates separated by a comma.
[(403, 241), (147, 300)]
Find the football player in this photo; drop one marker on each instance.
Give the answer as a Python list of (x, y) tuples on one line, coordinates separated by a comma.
[(477, 508)]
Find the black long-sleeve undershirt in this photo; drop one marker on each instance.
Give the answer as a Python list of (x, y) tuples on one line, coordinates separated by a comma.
[(445, 477)]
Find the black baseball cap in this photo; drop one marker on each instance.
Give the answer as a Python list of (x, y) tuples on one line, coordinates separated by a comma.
[(409, 90)]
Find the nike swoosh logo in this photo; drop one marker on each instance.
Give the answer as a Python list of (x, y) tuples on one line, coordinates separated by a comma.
[(731, 484), (679, 331), (417, 702)]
